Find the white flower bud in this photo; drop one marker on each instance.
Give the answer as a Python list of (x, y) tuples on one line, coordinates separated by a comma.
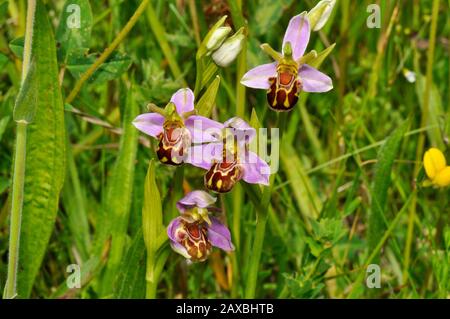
[(319, 15), (217, 38), (229, 50)]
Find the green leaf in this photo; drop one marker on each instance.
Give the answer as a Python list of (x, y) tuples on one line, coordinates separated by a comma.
[(382, 180), (208, 100), (16, 47), (119, 191), (75, 27), (26, 102), (317, 62), (131, 282), (78, 63), (45, 156)]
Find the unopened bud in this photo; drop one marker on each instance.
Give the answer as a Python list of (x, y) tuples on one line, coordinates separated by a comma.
[(319, 15), (229, 50), (217, 38)]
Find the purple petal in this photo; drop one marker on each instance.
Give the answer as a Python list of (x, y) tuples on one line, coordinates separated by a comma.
[(171, 232), (297, 33), (258, 77), (243, 132), (219, 235), (204, 155), (195, 199), (255, 170), (314, 80), (202, 129), (149, 123), (183, 100)]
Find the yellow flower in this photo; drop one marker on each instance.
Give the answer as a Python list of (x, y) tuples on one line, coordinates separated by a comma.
[(436, 167)]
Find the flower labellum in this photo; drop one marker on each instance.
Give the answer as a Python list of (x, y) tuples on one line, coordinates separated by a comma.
[(229, 50), (436, 168), (319, 15), (193, 235)]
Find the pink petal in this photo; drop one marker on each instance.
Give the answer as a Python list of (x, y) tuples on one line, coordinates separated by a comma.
[(241, 130), (258, 77), (256, 171), (219, 235), (297, 33), (195, 199), (204, 155), (149, 123), (202, 129), (314, 80), (183, 100)]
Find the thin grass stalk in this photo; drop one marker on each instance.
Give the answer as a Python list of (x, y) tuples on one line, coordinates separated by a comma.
[(421, 139)]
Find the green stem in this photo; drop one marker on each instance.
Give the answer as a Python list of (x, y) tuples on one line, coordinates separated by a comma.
[(262, 217), (421, 139), (102, 58), (19, 169), (16, 209), (238, 19)]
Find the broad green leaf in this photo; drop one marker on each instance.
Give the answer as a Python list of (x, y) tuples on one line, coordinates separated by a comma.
[(75, 27), (45, 156), (16, 47), (119, 191), (131, 282), (117, 64), (208, 100), (153, 230), (26, 102), (382, 181)]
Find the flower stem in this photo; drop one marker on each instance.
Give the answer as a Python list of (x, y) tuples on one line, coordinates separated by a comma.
[(262, 217), (19, 169), (16, 209), (238, 19)]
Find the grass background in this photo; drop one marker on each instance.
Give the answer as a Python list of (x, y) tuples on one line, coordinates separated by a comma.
[(342, 197)]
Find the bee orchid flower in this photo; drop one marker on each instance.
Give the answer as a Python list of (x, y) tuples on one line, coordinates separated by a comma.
[(290, 74), (176, 127), (230, 160), (194, 232)]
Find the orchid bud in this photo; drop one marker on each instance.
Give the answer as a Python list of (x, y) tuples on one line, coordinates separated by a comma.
[(319, 15), (217, 38), (229, 50)]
